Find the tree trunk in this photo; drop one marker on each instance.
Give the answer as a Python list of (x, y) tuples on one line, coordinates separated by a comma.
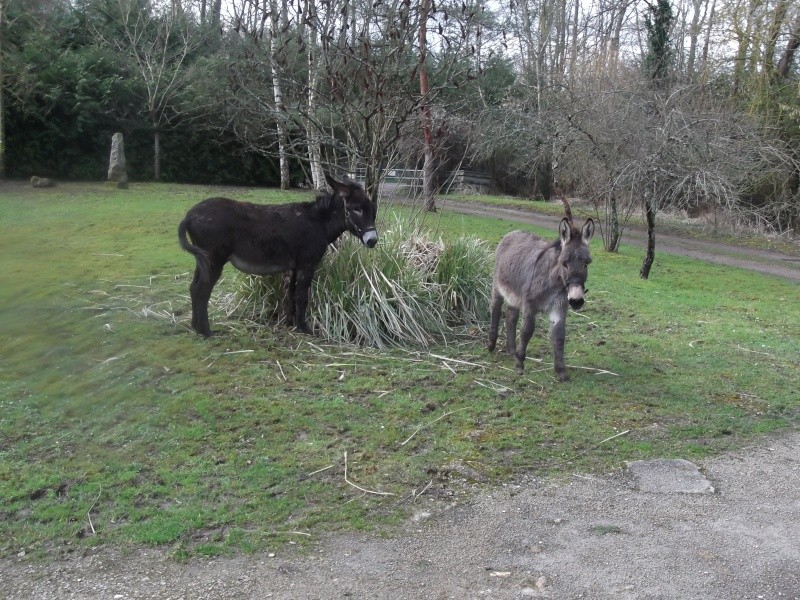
[(216, 11), (277, 94), (427, 126), (707, 42), (694, 34), (2, 103), (613, 227), (573, 59), (772, 37), (743, 35), (650, 212), (314, 150), (785, 63), (156, 153)]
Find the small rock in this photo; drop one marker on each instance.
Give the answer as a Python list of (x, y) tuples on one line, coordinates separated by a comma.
[(42, 182)]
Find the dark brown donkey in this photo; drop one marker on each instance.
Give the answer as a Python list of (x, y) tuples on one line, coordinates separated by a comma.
[(262, 239), (539, 276)]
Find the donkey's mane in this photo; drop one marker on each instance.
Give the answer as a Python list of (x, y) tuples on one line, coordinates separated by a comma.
[(324, 203)]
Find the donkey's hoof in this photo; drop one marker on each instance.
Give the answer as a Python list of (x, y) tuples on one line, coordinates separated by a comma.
[(563, 377)]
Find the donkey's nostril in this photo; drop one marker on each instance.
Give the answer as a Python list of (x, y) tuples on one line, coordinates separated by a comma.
[(370, 240), (576, 303)]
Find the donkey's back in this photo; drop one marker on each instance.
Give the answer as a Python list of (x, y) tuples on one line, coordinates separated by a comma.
[(515, 271)]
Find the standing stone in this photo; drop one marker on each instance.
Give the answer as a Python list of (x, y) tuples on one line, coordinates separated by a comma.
[(117, 172)]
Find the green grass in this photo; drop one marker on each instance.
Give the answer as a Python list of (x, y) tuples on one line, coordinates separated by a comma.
[(118, 426)]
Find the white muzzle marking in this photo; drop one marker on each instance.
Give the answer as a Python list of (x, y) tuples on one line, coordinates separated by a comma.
[(370, 238), (575, 296)]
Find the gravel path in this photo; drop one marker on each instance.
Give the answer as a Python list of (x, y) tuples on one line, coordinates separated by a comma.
[(588, 537), (763, 261)]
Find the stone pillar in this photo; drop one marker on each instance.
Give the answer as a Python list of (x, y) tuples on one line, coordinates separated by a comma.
[(117, 172)]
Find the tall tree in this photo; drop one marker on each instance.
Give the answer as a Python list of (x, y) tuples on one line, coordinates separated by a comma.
[(158, 40), (428, 189), (2, 91), (276, 41), (658, 23)]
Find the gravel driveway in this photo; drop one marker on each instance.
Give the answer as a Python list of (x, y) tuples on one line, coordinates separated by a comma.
[(763, 261), (590, 536)]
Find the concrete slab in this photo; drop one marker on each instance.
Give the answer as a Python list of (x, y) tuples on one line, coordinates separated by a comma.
[(669, 476)]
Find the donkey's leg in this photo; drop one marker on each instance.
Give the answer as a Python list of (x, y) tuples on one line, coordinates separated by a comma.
[(494, 325), (525, 334), (558, 334), (201, 295), (193, 290), (512, 316), (301, 293), (291, 290)]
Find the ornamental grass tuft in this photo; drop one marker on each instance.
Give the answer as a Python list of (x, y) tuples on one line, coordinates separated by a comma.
[(412, 289)]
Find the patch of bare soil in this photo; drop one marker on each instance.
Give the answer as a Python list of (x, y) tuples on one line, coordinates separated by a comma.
[(589, 536)]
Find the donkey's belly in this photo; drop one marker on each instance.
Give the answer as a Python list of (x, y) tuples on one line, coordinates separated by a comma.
[(259, 268)]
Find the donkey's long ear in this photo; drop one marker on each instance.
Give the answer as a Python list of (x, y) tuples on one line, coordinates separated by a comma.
[(565, 230), (341, 188), (588, 231)]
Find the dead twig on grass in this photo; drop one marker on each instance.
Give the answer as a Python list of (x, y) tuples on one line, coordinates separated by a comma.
[(358, 487), (320, 470), (280, 368), (414, 493), (431, 423), (89, 512), (458, 361)]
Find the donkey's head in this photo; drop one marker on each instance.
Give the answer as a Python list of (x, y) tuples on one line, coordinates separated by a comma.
[(574, 259), (359, 210)]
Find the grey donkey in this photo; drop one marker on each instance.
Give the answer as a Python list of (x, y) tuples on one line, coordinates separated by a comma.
[(538, 276)]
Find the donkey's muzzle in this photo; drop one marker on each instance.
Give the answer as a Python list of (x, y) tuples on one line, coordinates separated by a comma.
[(370, 237), (575, 297)]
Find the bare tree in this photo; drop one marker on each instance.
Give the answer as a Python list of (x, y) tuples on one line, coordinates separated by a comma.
[(158, 40)]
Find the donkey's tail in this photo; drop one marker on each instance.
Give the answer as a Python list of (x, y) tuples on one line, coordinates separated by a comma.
[(203, 259)]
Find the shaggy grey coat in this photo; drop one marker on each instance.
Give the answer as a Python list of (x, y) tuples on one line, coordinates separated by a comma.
[(538, 276)]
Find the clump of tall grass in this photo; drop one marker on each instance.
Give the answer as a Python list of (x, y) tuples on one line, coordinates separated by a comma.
[(413, 289)]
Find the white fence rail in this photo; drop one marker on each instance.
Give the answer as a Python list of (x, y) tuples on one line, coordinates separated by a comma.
[(409, 181)]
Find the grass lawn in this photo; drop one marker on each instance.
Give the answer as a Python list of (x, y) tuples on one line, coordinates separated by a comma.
[(120, 426)]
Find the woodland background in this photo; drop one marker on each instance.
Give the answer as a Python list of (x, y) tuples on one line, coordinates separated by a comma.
[(629, 104)]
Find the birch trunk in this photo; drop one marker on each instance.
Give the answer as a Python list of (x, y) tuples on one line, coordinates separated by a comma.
[(277, 93), (427, 134), (314, 150)]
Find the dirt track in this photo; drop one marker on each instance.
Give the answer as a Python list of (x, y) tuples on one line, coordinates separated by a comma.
[(763, 261)]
